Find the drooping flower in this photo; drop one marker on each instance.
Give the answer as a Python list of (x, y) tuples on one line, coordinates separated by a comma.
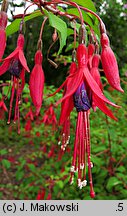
[(29, 115), (36, 83), (28, 126), (49, 197), (97, 102), (41, 195), (82, 87), (109, 64), (3, 24), (16, 64), (49, 117), (82, 74), (29, 118)]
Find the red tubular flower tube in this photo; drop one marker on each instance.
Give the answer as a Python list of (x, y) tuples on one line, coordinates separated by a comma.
[(109, 64), (91, 50), (36, 83)]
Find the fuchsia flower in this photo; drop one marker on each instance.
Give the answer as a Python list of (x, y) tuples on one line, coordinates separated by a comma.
[(41, 195), (83, 89), (36, 83), (97, 102), (49, 197), (28, 126), (109, 64), (29, 115), (3, 24), (50, 117), (16, 64), (74, 80)]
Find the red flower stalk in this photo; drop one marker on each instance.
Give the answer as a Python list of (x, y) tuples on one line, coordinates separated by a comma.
[(50, 117), (3, 24), (36, 83), (97, 102), (109, 64), (16, 64)]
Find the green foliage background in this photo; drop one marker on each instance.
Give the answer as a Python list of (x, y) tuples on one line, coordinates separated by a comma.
[(25, 168)]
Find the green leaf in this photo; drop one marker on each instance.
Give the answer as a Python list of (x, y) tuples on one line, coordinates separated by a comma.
[(19, 175), (88, 4), (86, 17), (121, 169), (61, 184), (61, 27), (6, 163), (3, 151), (32, 167), (113, 181), (14, 26), (70, 32)]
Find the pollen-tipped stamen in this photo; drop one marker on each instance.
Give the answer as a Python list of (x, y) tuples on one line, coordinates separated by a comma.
[(87, 130)]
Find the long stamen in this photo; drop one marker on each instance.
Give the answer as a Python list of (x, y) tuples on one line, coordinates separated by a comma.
[(84, 159), (74, 161), (80, 149), (82, 145), (11, 100), (18, 113), (92, 194), (16, 104)]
